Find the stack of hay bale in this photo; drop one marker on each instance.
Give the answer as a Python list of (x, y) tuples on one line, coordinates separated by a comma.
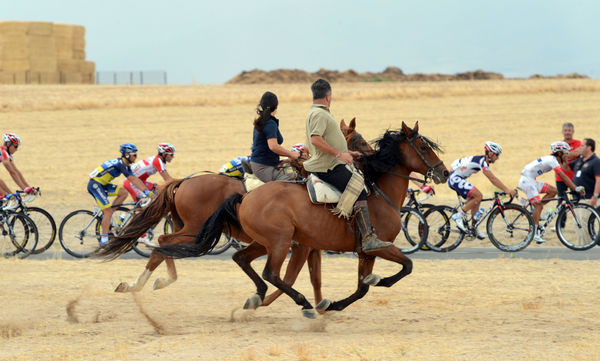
[(43, 53)]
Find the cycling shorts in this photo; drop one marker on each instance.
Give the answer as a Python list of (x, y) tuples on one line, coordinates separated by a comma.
[(460, 185), (102, 192), (532, 188)]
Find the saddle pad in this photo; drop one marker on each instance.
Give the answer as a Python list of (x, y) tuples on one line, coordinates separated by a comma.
[(320, 192), (251, 182)]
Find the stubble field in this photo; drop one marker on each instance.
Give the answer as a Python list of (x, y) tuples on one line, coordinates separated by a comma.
[(496, 309)]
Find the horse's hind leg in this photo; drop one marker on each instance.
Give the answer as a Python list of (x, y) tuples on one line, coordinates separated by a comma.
[(271, 274), (243, 259), (297, 259), (365, 267)]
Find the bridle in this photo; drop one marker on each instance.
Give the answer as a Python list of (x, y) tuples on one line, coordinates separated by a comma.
[(430, 168)]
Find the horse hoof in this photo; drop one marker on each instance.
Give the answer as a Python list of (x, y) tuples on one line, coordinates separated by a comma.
[(253, 302), (372, 280), (323, 305), (156, 285), (122, 287), (309, 313)]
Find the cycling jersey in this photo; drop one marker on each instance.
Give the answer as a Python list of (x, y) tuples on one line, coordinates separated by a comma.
[(234, 168), (109, 170), (4, 154), (541, 166), (467, 166), (149, 166)]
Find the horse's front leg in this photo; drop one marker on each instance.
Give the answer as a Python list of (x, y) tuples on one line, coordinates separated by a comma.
[(395, 255), (365, 267), (153, 262)]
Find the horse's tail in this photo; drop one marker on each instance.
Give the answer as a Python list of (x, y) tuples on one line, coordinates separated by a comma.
[(210, 232), (147, 218)]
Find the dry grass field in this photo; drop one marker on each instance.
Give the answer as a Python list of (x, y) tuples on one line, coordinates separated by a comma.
[(504, 309)]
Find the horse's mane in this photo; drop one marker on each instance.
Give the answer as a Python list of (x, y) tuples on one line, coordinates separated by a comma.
[(387, 155)]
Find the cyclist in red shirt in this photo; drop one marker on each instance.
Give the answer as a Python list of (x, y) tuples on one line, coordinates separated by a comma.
[(10, 146)]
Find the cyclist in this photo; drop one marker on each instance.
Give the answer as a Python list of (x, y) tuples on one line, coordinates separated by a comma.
[(235, 167), (149, 166), (12, 142), (463, 168), (533, 187), (100, 187)]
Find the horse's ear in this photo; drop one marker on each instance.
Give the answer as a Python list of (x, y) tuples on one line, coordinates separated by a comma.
[(343, 124), (406, 130), (416, 128), (353, 124)]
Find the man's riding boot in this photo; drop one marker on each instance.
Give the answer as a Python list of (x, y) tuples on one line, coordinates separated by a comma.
[(370, 242)]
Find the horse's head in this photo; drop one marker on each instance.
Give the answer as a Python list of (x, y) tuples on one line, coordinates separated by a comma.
[(420, 155), (354, 139)]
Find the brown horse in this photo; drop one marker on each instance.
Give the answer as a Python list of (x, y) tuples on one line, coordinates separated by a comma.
[(181, 198), (276, 213)]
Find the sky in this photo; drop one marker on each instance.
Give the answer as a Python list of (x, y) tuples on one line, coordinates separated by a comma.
[(209, 42)]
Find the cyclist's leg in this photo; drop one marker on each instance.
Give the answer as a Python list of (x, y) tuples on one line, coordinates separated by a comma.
[(549, 192), (4, 188), (100, 195), (474, 198), (133, 191)]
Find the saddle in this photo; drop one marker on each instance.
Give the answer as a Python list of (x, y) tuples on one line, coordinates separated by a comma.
[(321, 192)]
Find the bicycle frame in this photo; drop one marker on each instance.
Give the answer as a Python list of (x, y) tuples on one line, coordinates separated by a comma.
[(497, 202)]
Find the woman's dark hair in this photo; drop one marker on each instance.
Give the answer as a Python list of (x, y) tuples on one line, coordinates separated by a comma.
[(268, 104)]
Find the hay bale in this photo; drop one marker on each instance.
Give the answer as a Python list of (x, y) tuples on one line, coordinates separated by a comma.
[(14, 48), (49, 77), (40, 28), (88, 67), (14, 64), (88, 78), (10, 28), (69, 65), (6, 77), (72, 78)]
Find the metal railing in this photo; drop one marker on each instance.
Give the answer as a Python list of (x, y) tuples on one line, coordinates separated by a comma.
[(158, 77)]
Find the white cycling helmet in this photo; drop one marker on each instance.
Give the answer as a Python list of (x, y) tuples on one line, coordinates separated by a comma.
[(166, 148), (299, 147), (11, 138), (493, 147), (560, 146)]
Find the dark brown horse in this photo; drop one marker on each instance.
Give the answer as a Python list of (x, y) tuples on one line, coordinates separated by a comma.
[(276, 213), (182, 198)]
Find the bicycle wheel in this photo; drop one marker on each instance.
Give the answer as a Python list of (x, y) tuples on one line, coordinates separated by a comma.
[(77, 233), (22, 234), (577, 228), (510, 229), (444, 236), (222, 246), (166, 226), (414, 231), (45, 225)]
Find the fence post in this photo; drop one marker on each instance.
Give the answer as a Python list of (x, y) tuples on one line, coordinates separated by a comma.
[(141, 78), (96, 78), (165, 77)]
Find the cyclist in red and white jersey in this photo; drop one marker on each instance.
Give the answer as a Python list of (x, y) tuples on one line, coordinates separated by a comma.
[(12, 142), (149, 166), (533, 187)]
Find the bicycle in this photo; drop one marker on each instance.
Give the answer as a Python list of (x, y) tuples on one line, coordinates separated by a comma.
[(577, 224), (509, 226), (412, 231), (18, 227), (44, 222), (80, 231)]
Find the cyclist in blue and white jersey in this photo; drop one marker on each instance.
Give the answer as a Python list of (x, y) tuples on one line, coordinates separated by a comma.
[(463, 168), (533, 187), (100, 188)]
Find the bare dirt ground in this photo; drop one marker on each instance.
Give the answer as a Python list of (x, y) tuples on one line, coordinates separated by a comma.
[(500, 309)]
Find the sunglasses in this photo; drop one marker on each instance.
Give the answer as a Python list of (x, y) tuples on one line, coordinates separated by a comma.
[(133, 154)]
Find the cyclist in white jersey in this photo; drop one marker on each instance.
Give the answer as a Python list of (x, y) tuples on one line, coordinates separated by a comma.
[(149, 166), (533, 187), (465, 167)]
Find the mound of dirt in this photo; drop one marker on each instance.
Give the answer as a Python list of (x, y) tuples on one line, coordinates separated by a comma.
[(390, 73)]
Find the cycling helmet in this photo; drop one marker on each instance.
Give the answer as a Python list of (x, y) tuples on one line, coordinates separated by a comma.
[(560, 146), (166, 148), (11, 138), (493, 148), (127, 148), (300, 148)]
